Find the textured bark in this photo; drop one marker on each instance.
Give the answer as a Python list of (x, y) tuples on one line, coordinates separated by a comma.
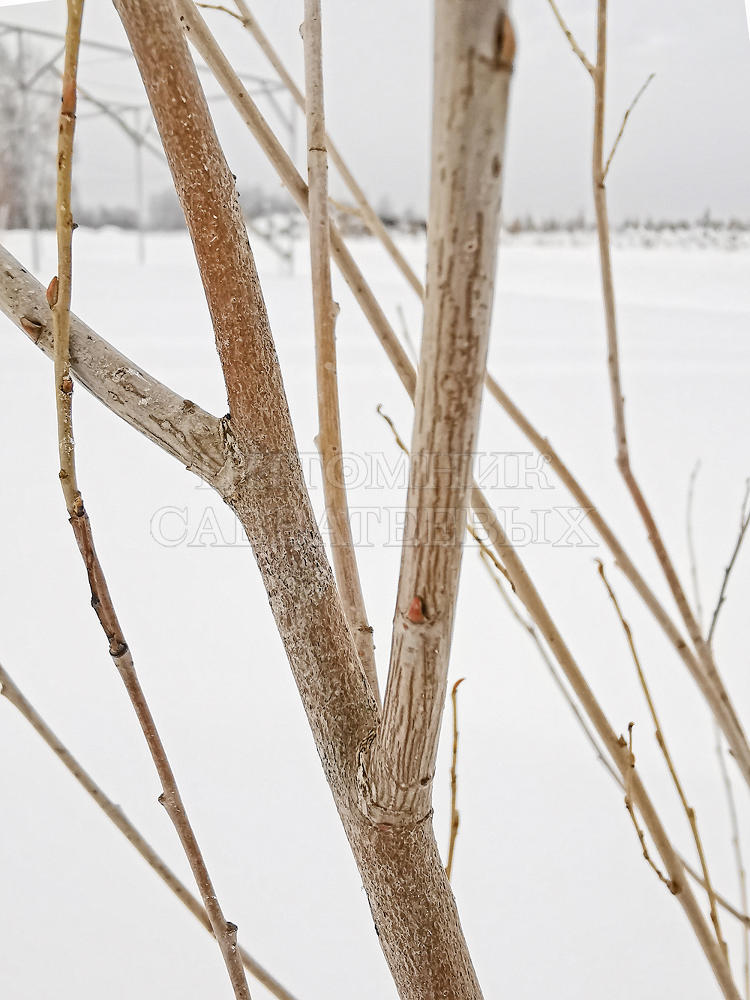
[(182, 429), (474, 51), (411, 902)]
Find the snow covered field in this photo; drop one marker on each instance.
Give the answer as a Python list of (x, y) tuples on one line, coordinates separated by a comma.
[(555, 897)]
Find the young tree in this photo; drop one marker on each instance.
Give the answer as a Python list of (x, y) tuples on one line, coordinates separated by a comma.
[(378, 751)]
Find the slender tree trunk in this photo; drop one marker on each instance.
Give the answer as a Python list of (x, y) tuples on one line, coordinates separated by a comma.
[(411, 902)]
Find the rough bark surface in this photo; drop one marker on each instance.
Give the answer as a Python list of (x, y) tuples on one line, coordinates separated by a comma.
[(411, 902), (474, 49)]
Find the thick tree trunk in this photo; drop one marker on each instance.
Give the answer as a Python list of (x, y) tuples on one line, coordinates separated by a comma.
[(411, 902)]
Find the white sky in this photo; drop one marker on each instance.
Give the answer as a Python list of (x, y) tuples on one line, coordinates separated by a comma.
[(687, 147)]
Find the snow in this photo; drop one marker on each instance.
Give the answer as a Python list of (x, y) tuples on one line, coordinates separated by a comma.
[(555, 897)]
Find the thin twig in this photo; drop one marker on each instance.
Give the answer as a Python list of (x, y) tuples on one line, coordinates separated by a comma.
[(224, 10), (12, 693), (718, 698), (59, 297), (59, 291), (325, 311), (624, 123), (455, 817), (571, 38), (660, 739), (528, 625), (631, 812), (744, 522), (738, 858), (399, 440), (406, 333), (692, 552)]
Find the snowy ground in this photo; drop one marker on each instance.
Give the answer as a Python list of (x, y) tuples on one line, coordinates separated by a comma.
[(555, 897)]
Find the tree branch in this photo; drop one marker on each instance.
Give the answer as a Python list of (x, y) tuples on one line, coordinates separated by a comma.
[(206, 45), (11, 692), (587, 64), (627, 114), (474, 50), (616, 747), (58, 296), (744, 522), (455, 817), (660, 739), (325, 310), (729, 719), (179, 427)]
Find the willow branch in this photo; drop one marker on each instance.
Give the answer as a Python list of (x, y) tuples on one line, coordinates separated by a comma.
[(660, 739), (177, 425), (325, 310), (59, 295), (738, 859), (206, 45), (455, 816), (692, 552), (720, 709), (587, 64), (474, 50), (528, 625), (616, 747), (620, 134), (410, 901), (744, 522), (729, 720), (59, 291), (12, 693)]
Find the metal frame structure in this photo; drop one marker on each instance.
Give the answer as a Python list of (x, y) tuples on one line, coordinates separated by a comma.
[(133, 119)]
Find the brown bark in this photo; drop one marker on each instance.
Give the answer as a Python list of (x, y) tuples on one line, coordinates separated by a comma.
[(411, 902)]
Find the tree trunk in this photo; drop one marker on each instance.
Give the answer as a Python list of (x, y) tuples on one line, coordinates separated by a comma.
[(412, 905)]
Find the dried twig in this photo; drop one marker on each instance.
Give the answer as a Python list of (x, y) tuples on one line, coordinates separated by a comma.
[(455, 817), (528, 625), (660, 739), (627, 114), (744, 522), (738, 857), (692, 553), (571, 38), (617, 748), (672, 886), (12, 693), (717, 695), (59, 295), (329, 437)]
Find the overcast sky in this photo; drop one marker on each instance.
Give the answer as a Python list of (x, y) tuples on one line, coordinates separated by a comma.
[(687, 146)]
